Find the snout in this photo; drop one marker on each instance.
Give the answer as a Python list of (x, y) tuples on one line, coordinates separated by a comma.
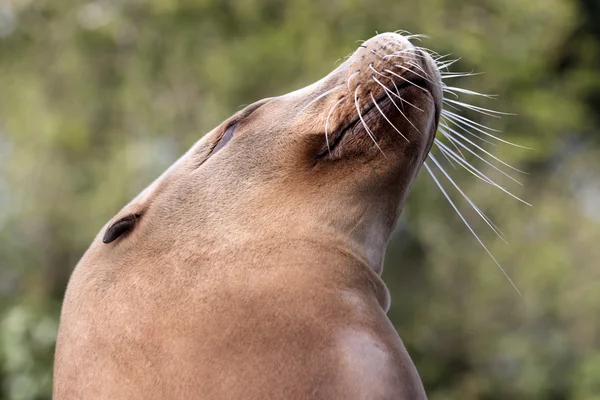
[(389, 62), (387, 93)]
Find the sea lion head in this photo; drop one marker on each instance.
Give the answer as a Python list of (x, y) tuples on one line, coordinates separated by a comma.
[(331, 163)]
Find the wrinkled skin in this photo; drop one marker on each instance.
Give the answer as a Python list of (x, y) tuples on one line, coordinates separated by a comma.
[(250, 268)]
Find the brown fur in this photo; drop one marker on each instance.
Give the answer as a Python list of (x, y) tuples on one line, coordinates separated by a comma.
[(252, 272)]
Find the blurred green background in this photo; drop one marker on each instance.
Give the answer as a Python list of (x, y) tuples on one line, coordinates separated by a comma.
[(98, 98)]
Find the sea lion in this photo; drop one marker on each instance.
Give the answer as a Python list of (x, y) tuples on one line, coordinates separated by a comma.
[(251, 268)]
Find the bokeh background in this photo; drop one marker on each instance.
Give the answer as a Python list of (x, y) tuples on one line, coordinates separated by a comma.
[(97, 98)]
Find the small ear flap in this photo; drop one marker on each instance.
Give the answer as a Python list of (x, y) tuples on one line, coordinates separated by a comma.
[(120, 227)]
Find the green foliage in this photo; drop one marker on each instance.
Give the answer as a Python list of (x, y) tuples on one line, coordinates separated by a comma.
[(98, 98)]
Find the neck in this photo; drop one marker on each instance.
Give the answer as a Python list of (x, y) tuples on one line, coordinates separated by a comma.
[(323, 260)]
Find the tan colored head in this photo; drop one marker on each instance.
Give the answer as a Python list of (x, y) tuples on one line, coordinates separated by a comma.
[(331, 163)]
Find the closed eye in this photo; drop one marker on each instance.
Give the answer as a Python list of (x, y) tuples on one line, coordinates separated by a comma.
[(227, 136)]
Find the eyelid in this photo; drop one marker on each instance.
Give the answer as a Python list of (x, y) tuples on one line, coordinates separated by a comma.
[(227, 136), (230, 130)]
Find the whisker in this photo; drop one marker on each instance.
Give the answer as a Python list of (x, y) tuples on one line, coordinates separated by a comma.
[(456, 107), (481, 148), (435, 140), (410, 52), (428, 51), (401, 53), (387, 90), (417, 36), (465, 164), (437, 59), (406, 80), (377, 72), (344, 58), (371, 135), (452, 139), (451, 142), (449, 92), (451, 114), (452, 127), (446, 121), (377, 54), (452, 89), (427, 78), (481, 110), (386, 118), (396, 95), (487, 220), (410, 36), (420, 68), (468, 167), (458, 75), (445, 64), (460, 120), (320, 97), (350, 78), (401, 112), (469, 226)]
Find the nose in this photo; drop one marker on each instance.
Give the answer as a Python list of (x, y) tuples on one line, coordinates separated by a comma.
[(381, 52), (385, 61)]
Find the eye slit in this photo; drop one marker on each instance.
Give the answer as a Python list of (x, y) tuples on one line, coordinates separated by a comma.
[(227, 136)]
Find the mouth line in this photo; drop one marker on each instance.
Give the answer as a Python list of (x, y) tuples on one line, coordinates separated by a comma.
[(417, 82)]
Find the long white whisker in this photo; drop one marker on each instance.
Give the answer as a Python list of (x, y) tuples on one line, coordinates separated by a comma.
[(476, 172), (386, 118), (459, 120), (417, 36), (449, 92), (371, 135), (487, 220), (396, 95), (406, 80), (452, 139), (452, 143), (417, 66), (468, 167), (350, 78), (435, 140), (320, 97), (377, 54), (469, 226), (447, 122), (427, 51), (458, 75), (451, 113), (409, 36), (377, 72), (482, 149), (463, 163), (481, 110), (402, 54), (427, 78), (398, 108), (452, 89), (446, 64)]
